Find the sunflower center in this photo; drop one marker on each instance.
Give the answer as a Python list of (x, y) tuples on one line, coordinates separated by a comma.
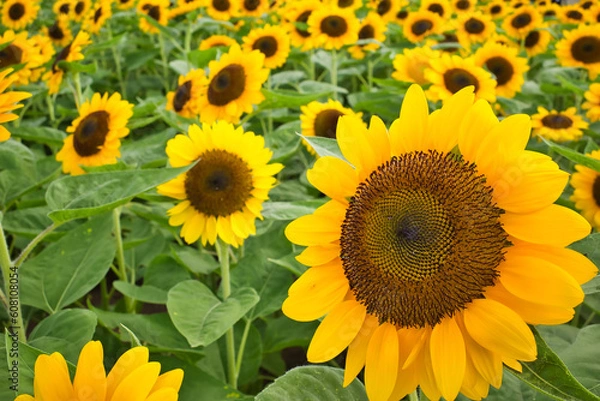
[(421, 239), (79, 7), (436, 8), (596, 190), (518, 5), (366, 32), (267, 45), (532, 39), (420, 27), (219, 184), (557, 121), (182, 95), (326, 123), (334, 26), (90, 133), (64, 9), (383, 7), (474, 26), (227, 85), (575, 15), (60, 57), (221, 5), (501, 68), (302, 18), (251, 5), (10, 55), (586, 5), (549, 13), (586, 49), (521, 21), (154, 12), (457, 78), (55, 32), (16, 11), (345, 3), (463, 4), (98, 14), (495, 9), (402, 14)]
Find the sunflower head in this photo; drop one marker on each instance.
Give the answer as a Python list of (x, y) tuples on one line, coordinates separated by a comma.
[(270, 40), (440, 7), (333, 28), (184, 99), (508, 68), (158, 10), (59, 32), (222, 9), (474, 27), (420, 24), (558, 126), (296, 16), (371, 27), (217, 41), (522, 21), (18, 49), (9, 101), (411, 64), (536, 41), (17, 14), (592, 102), (586, 191), (580, 47)]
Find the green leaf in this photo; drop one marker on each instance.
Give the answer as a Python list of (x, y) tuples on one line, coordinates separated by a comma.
[(574, 156), (164, 272), (17, 170), (320, 383), (550, 376), (582, 357), (75, 66), (69, 268), (278, 98), (195, 261), (324, 146), (290, 210), (45, 135), (146, 293), (74, 197), (201, 58), (200, 316)]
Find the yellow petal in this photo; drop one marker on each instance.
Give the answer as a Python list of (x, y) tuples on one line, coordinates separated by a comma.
[(442, 131), (90, 377), (319, 254), (357, 350), (487, 363), (126, 364), (164, 394), (136, 386), (448, 357), (321, 227), (407, 133), (478, 122), (379, 141), (171, 379), (427, 377), (24, 397), (52, 378), (513, 364), (334, 177), (474, 386), (406, 382), (381, 368), (351, 135)]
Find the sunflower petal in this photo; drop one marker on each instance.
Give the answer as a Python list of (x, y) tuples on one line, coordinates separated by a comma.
[(407, 133), (90, 377), (126, 364), (334, 177), (381, 368), (357, 350), (443, 135), (448, 357)]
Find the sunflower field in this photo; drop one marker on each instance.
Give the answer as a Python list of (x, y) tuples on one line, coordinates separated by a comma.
[(294, 200)]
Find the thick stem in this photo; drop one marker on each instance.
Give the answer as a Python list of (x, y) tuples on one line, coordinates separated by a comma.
[(240, 356), (333, 72), (223, 253), (21, 258), (129, 303), (78, 92)]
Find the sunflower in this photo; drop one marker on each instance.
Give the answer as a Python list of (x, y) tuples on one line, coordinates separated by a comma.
[(158, 10), (594, 14), (586, 194), (16, 49), (44, 50), (71, 52), (522, 21), (497, 9), (353, 4), (96, 134), (97, 16), (253, 8), (184, 99), (424, 262), (558, 126), (321, 119), (81, 8), (270, 40), (63, 8), (420, 24), (536, 41), (474, 27), (440, 7), (234, 85), (9, 101), (572, 14), (296, 21), (222, 10), (222, 194), (592, 104), (463, 6), (387, 9), (451, 73), (411, 64), (59, 33), (550, 11), (216, 41), (371, 27), (581, 48), (333, 27), (506, 65), (132, 377), (586, 4), (125, 4), (17, 14)]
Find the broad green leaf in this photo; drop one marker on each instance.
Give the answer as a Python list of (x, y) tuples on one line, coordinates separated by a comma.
[(76, 67), (324, 146), (30, 222), (324, 88), (287, 77), (282, 332), (278, 98), (164, 272), (322, 383), (384, 104), (574, 156), (290, 210), (201, 58), (17, 169), (74, 197), (145, 293), (69, 268), (44, 135), (582, 357), (196, 261), (202, 317)]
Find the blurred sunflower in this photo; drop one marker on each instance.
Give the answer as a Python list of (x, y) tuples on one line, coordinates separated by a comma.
[(514, 4), (474, 27), (296, 15), (401, 16), (96, 134), (558, 126), (536, 42), (386, 9), (270, 40), (440, 7), (463, 6), (592, 103), (59, 33), (234, 85), (16, 49), (63, 8), (353, 4), (448, 38), (497, 9), (222, 194), (253, 8), (571, 14), (216, 41), (506, 65), (132, 377), (81, 9), (522, 21), (97, 16), (594, 14), (371, 27), (420, 24), (332, 27), (71, 52), (9, 101), (158, 10), (17, 14), (184, 99), (586, 194), (410, 66), (550, 12), (43, 49), (586, 4), (125, 4), (451, 73), (222, 10), (580, 47), (417, 261)]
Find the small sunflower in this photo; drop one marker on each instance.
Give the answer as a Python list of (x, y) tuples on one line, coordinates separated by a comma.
[(17, 49), (222, 194), (59, 33), (522, 21), (592, 103), (158, 10), (333, 27), (550, 12), (463, 6), (125, 4), (580, 47), (9, 101), (353, 4), (270, 40), (425, 264), (97, 16), (451, 73), (586, 194), (447, 38), (17, 14), (410, 66), (81, 9), (63, 8), (296, 16), (586, 4), (96, 134), (222, 10), (132, 377), (420, 24), (253, 8), (44, 49), (71, 52), (474, 27), (401, 16), (216, 41), (506, 65), (386, 9), (537, 41), (558, 126), (440, 7), (184, 99), (594, 14), (234, 85), (572, 14), (371, 27), (497, 9)]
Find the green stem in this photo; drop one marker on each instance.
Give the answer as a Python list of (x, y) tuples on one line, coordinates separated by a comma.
[(223, 253), (129, 304), (165, 65), (370, 73), (187, 44), (333, 72), (311, 65), (50, 109), (414, 396), (240, 356), (78, 92), (117, 57), (21, 258)]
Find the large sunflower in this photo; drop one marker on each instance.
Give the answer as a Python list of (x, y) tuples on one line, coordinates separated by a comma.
[(216, 41), (506, 65), (592, 103), (371, 27), (296, 15), (586, 194), (474, 27), (451, 73), (17, 49), (9, 101), (522, 21), (184, 99), (536, 42), (428, 262), (559, 126), (72, 52), (270, 40), (333, 27), (234, 85), (158, 10), (222, 194), (132, 377), (411, 64), (420, 24), (96, 134), (581, 48), (17, 14)]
